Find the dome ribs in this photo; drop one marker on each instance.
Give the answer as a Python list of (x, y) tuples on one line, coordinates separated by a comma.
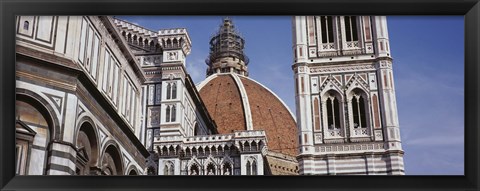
[(273, 117), (223, 100)]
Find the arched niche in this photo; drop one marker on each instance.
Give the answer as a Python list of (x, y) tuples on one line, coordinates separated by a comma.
[(112, 161), (87, 147), (35, 127)]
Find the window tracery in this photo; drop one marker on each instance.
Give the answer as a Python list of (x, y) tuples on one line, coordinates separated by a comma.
[(333, 111), (169, 168), (351, 32), (169, 89), (251, 166), (167, 114), (326, 23), (174, 113), (359, 113), (172, 90)]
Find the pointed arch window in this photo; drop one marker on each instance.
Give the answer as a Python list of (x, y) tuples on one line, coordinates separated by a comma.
[(174, 113), (167, 114), (326, 23), (168, 169), (170, 113), (169, 89), (174, 91), (333, 113), (359, 113), (351, 32), (251, 166)]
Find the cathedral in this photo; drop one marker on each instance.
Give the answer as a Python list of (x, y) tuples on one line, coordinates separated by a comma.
[(97, 95)]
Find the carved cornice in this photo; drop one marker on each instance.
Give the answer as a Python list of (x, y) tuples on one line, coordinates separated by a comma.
[(330, 69)]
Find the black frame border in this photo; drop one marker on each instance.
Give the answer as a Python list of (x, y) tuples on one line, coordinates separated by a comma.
[(9, 8)]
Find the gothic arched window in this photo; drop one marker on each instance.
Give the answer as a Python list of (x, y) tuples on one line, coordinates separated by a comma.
[(145, 43), (140, 41), (167, 114), (333, 113), (174, 91), (152, 45), (135, 39), (359, 112), (254, 168), (168, 169), (351, 32), (129, 38), (174, 113), (169, 89), (175, 42), (249, 166), (327, 29)]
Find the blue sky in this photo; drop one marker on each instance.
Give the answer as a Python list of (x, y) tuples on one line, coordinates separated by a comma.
[(428, 53)]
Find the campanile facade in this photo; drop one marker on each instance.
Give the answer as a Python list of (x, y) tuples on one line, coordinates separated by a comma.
[(345, 96)]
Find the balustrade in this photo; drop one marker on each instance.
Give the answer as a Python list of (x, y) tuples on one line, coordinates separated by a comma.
[(352, 45), (334, 133), (360, 131), (328, 46)]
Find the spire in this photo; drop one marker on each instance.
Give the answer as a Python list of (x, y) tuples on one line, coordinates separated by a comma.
[(226, 51)]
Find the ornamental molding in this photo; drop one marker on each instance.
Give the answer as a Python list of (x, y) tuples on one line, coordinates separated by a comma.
[(385, 64), (171, 68), (331, 83), (349, 148), (324, 69), (357, 81)]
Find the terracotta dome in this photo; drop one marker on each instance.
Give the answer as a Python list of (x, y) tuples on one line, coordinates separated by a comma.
[(237, 102)]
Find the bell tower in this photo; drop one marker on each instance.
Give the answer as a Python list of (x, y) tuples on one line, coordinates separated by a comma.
[(345, 93), (226, 51)]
